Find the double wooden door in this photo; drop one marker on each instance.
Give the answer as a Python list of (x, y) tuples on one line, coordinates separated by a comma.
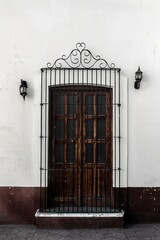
[(80, 146)]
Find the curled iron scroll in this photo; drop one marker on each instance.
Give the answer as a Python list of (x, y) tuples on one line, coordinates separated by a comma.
[(81, 57)]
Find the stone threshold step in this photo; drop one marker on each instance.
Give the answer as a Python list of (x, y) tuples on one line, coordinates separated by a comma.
[(79, 220)]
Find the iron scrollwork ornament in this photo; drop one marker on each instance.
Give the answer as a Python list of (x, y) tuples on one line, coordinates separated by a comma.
[(80, 57)]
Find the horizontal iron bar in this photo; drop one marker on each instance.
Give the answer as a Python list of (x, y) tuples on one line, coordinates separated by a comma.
[(117, 104), (80, 210), (107, 69), (80, 169), (99, 140), (44, 136), (44, 104)]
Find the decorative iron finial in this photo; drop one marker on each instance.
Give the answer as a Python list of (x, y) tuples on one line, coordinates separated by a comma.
[(80, 57)]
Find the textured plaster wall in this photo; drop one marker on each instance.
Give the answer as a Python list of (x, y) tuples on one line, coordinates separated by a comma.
[(34, 32)]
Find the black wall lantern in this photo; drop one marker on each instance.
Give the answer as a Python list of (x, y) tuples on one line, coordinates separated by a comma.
[(23, 89), (138, 78)]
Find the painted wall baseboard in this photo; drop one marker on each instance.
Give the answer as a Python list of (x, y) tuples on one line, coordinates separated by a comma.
[(18, 205)]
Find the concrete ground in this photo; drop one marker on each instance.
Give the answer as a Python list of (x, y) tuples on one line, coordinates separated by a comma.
[(132, 232)]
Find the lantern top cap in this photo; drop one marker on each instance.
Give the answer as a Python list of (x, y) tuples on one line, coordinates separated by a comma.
[(139, 71), (23, 83)]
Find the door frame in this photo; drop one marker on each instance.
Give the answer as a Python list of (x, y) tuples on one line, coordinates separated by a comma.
[(83, 91)]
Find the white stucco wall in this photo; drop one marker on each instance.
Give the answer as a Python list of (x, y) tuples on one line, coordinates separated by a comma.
[(34, 32)]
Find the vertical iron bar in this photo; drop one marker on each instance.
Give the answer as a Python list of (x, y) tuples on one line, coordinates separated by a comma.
[(85, 137), (66, 143), (115, 123), (83, 170), (77, 137), (100, 171), (106, 144), (73, 153), (55, 143), (59, 77), (49, 141), (119, 137), (64, 187), (111, 172), (41, 173), (45, 137), (50, 77), (59, 140), (95, 160), (92, 169)]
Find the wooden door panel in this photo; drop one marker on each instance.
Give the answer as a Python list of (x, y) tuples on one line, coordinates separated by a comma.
[(65, 187), (59, 187), (88, 178)]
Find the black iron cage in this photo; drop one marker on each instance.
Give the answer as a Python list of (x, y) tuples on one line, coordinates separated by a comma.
[(80, 165)]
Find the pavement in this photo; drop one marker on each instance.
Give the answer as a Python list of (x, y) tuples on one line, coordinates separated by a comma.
[(131, 232)]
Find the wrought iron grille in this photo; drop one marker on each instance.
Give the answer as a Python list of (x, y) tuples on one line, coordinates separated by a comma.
[(80, 161)]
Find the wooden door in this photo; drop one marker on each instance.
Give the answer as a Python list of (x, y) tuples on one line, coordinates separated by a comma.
[(97, 147), (80, 146)]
